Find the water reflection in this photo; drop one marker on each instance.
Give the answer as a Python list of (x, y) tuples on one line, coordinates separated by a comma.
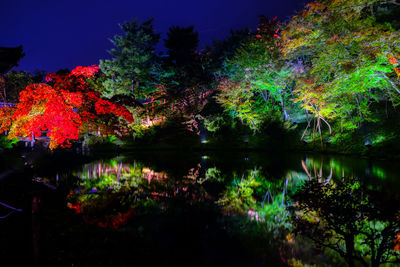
[(262, 198), (109, 193)]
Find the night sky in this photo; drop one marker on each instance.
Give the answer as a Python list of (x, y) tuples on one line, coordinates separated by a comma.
[(64, 34)]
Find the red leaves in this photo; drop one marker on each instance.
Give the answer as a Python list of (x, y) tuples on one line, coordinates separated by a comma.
[(86, 72), (73, 98), (41, 108), (103, 107), (61, 109)]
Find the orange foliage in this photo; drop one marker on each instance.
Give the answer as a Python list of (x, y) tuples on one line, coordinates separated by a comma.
[(394, 62), (6, 114), (397, 242)]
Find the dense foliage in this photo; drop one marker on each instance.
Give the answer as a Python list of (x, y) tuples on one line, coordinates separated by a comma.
[(332, 71), (349, 60), (350, 219), (132, 70), (64, 108)]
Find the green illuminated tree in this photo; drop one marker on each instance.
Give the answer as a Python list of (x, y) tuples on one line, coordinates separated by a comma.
[(349, 60), (259, 85), (133, 70)]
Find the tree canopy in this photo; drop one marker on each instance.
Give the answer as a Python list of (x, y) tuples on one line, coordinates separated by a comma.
[(133, 70), (64, 108)]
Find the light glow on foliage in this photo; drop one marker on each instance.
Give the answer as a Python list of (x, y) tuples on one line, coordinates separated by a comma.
[(62, 108)]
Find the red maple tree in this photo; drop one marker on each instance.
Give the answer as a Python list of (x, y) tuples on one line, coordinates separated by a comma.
[(62, 108)]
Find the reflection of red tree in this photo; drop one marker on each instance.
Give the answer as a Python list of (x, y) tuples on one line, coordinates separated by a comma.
[(111, 221), (157, 187), (397, 242), (108, 221), (77, 206)]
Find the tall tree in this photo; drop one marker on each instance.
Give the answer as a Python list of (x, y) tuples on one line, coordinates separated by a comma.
[(187, 78), (133, 70), (181, 44), (183, 60), (259, 84)]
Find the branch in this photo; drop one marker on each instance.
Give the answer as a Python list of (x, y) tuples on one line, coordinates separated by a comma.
[(392, 2), (11, 212), (388, 80), (316, 112), (10, 207)]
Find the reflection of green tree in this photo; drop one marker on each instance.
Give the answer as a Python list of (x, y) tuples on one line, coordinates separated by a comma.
[(213, 174), (238, 198), (112, 175), (262, 200), (275, 201), (108, 193), (358, 224), (340, 167)]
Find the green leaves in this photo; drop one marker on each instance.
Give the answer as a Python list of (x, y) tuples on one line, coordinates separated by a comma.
[(258, 80), (346, 60), (133, 69)]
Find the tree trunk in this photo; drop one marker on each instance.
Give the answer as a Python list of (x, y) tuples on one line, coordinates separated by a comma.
[(285, 114), (350, 250), (119, 172), (133, 89)]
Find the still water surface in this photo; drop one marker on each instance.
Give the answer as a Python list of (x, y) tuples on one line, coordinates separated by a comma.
[(166, 209)]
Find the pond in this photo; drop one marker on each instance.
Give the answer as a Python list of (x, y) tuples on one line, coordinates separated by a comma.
[(196, 209)]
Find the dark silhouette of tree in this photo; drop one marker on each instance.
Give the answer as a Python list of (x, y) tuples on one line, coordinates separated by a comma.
[(185, 77), (16, 81), (220, 51), (357, 222), (9, 58), (181, 44), (182, 60)]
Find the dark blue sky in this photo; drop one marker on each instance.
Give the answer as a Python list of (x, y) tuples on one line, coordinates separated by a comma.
[(63, 34)]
